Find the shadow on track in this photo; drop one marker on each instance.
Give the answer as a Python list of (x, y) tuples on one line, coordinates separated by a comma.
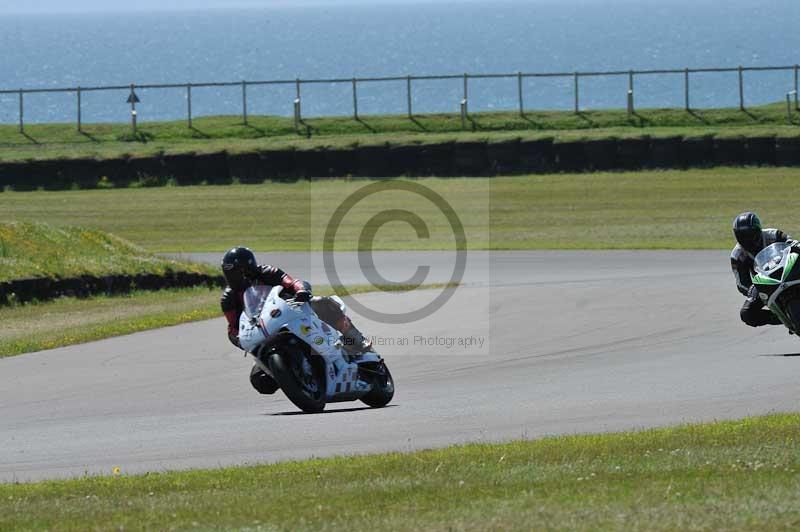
[(781, 355), (339, 411)]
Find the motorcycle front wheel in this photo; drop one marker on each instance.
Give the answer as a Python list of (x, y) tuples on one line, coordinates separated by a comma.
[(307, 392), (382, 388)]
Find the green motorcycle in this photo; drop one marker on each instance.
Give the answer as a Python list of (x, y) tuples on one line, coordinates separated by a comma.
[(777, 280)]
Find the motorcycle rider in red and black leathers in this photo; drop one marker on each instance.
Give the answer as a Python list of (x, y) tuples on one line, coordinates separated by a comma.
[(241, 271), (750, 240)]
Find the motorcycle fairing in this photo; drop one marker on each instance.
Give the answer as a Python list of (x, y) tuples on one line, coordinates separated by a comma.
[(277, 314)]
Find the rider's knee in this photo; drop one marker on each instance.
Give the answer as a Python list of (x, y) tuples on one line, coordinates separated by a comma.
[(749, 317)]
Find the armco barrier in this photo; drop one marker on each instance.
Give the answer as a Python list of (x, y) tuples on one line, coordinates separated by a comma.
[(468, 158), (43, 289)]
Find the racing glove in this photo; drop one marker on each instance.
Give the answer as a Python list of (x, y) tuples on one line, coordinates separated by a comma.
[(303, 296), (303, 293)]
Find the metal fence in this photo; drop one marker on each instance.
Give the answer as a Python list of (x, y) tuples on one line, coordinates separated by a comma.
[(683, 76)]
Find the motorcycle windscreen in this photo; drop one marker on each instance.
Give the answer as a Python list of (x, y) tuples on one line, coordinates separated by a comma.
[(254, 298), (770, 258)]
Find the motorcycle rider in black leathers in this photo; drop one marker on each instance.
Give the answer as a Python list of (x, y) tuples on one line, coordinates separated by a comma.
[(241, 271), (750, 239)]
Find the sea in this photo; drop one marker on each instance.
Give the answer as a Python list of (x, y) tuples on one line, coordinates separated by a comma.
[(342, 40)]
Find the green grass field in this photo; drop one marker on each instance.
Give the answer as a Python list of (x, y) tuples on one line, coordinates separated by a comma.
[(74, 321), (47, 141), (35, 249), (657, 209), (736, 475)]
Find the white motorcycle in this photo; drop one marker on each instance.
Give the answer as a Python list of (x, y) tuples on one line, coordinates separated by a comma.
[(306, 356)]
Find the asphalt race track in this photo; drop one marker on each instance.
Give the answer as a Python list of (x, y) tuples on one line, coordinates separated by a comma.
[(572, 342)]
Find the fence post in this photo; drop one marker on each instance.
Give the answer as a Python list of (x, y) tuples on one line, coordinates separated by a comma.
[(298, 112), (80, 125), (355, 100), (519, 94), (21, 111), (789, 106), (577, 95), (631, 108), (408, 95), (189, 105), (133, 110), (244, 102), (796, 68), (686, 88), (466, 94), (741, 89)]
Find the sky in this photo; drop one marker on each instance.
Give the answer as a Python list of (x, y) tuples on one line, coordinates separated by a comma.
[(9, 7), (53, 6)]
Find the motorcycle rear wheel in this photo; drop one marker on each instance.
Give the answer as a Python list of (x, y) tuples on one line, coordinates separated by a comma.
[(311, 403)]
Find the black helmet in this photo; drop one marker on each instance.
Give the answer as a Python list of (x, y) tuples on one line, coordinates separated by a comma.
[(747, 230), (239, 266)]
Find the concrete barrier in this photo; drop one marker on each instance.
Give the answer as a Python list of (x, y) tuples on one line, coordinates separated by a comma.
[(697, 152), (310, 163), (373, 161), (504, 157), (759, 151), (470, 159), (212, 168), (436, 159), (279, 164), (340, 162), (633, 154), (246, 167), (44, 289), (537, 155), (406, 159), (180, 168), (570, 156), (15, 175), (666, 152), (787, 151), (729, 151), (600, 154)]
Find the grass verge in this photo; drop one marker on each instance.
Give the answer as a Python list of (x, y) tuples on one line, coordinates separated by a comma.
[(623, 210), (35, 249), (735, 475), (50, 141), (73, 321)]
